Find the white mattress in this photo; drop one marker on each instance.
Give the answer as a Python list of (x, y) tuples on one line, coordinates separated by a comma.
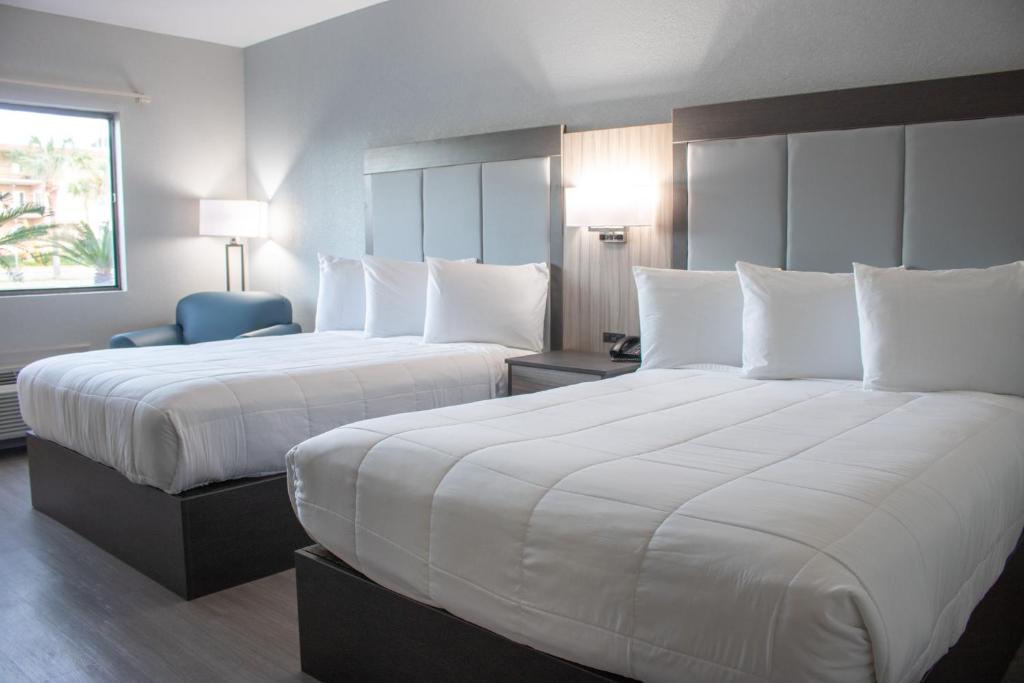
[(176, 417), (681, 525)]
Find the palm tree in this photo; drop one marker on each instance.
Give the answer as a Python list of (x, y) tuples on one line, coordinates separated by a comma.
[(48, 162), (13, 239), (20, 233), (89, 183), (85, 248)]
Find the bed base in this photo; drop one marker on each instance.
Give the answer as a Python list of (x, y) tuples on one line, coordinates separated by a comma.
[(194, 543), (352, 629)]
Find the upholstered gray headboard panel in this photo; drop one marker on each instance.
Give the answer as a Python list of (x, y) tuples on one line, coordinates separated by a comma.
[(495, 197), (927, 174)]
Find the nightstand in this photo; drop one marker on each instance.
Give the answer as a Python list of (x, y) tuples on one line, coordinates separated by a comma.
[(540, 371)]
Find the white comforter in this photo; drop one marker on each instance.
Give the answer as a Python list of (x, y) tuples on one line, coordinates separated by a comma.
[(176, 417), (677, 525)]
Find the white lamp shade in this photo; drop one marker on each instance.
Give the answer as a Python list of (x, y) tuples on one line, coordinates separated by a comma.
[(616, 206), (232, 217)]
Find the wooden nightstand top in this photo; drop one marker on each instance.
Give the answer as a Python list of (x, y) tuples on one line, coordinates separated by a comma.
[(583, 362)]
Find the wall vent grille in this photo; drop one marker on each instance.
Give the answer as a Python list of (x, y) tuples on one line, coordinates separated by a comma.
[(11, 424)]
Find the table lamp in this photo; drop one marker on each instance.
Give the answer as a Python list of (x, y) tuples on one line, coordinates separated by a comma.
[(234, 218)]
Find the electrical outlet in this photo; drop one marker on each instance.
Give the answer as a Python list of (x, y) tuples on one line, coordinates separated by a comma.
[(612, 337)]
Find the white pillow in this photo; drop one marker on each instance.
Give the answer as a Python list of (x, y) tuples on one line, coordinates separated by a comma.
[(396, 296), (799, 324), (341, 301), (468, 302), (689, 317), (942, 330)]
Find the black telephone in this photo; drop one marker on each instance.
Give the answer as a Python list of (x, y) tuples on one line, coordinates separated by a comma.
[(626, 349)]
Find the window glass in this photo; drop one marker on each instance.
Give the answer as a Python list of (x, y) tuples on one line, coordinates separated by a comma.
[(58, 223)]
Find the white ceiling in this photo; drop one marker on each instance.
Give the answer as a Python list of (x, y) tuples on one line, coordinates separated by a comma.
[(239, 23)]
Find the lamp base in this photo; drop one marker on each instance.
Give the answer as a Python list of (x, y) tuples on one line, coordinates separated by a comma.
[(234, 244)]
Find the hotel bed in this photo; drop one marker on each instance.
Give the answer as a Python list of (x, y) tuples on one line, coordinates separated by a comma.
[(172, 458), (693, 524), (178, 417), (687, 525)]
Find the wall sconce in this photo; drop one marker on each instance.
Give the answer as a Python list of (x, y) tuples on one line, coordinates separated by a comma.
[(234, 218), (610, 210)]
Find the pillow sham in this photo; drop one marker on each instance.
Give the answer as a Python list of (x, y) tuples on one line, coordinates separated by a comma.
[(469, 302), (799, 324), (942, 330), (341, 299), (396, 296), (689, 317)]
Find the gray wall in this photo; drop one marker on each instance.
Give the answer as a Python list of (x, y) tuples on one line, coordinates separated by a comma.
[(189, 142), (301, 108), (411, 70)]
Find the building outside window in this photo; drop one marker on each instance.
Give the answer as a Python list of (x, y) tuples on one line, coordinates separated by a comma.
[(58, 216)]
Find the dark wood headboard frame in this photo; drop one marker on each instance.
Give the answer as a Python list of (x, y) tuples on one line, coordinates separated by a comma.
[(946, 99), (510, 145)]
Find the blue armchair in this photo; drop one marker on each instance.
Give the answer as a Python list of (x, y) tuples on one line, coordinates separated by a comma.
[(211, 316)]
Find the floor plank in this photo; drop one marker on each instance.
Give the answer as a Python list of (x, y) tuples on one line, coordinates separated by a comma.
[(70, 611)]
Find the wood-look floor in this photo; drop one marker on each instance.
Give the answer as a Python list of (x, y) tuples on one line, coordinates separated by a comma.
[(71, 612)]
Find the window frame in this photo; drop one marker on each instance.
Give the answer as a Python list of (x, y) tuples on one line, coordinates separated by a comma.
[(115, 186)]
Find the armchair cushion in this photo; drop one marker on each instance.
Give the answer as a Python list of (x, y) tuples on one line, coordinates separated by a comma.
[(273, 331), (162, 335), (210, 316)]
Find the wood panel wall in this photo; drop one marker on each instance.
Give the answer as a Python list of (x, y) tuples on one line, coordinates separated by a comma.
[(599, 294)]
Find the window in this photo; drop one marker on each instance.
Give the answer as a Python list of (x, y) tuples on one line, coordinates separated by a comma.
[(58, 216)]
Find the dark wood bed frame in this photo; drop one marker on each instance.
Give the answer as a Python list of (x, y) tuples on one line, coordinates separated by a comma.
[(353, 629), (197, 542)]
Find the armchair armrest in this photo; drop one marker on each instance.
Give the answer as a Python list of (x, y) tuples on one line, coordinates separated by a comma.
[(162, 335), (273, 331)]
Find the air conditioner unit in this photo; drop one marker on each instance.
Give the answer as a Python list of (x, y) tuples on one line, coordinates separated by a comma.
[(11, 424)]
